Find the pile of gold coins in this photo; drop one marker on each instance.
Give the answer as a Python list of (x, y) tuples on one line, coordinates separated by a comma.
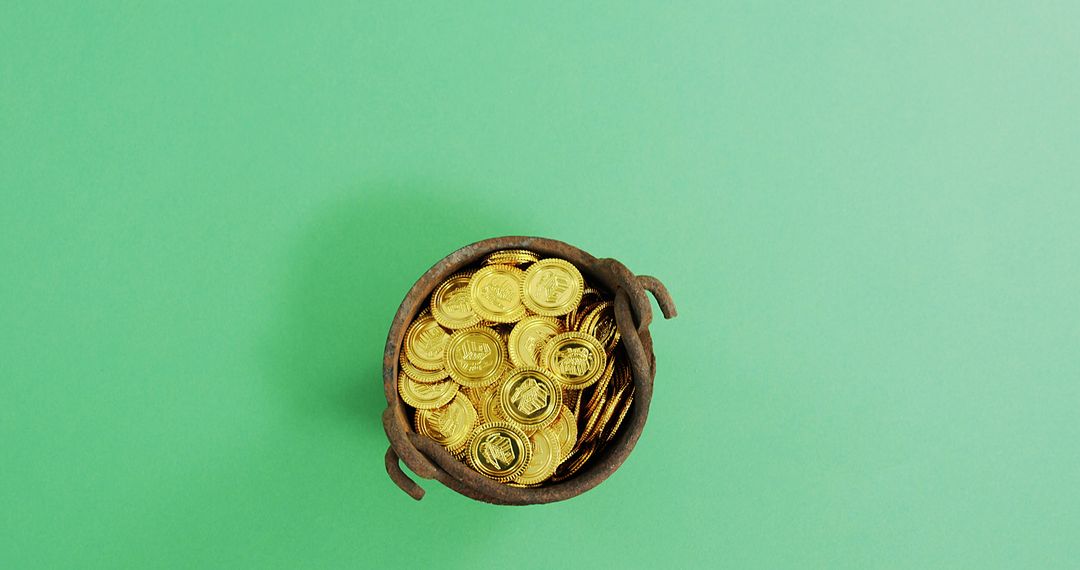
[(515, 368)]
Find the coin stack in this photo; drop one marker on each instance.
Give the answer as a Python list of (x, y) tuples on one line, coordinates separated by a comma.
[(515, 367)]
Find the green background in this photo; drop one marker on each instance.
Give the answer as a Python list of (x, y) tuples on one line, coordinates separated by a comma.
[(869, 216)]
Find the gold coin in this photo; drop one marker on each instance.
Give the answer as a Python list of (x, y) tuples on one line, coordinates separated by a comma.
[(583, 457), (450, 303), (590, 423), (530, 398), (576, 360), (473, 394), (622, 414), (565, 428), (510, 257), (605, 415), (475, 357), (495, 293), (552, 287), (450, 425), (498, 450), (528, 337), (546, 456), (421, 375), (599, 321), (489, 407), (573, 464), (579, 316), (601, 390), (425, 396), (577, 402), (425, 342), (588, 296)]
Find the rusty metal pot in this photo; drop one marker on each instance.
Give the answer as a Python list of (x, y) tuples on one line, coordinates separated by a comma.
[(429, 460)]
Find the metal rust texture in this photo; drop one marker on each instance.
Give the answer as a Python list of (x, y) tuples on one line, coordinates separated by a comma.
[(428, 459)]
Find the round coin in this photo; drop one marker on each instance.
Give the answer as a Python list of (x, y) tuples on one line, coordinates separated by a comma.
[(565, 428), (495, 293), (552, 287), (510, 257), (530, 398), (498, 450), (575, 359), (425, 396), (425, 342), (449, 425), (528, 336), (475, 357), (450, 303), (622, 414), (489, 407), (421, 375), (546, 456)]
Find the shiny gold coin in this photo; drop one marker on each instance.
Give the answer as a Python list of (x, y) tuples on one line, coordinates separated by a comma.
[(425, 342), (546, 456), (450, 304), (591, 420), (489, 407), (589, 296), (473, 394), (450, 425), (499, 450), (602, 385), (565, 429), (475, 357), (421, 375), (599, 322), (552, 287), (606, 414), (425, 396), (510, 257), (530, 398), (576, 360), (581, 460), (574, 463), (528, 337), (618, 421), (495, 293), (579, 316)]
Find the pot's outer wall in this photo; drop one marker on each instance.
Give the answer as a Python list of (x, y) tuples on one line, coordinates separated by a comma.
[(429, 460)]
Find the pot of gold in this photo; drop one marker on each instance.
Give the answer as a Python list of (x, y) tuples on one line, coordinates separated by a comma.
[(519, 370)]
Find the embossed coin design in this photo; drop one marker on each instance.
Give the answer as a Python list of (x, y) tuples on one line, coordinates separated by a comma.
[(552, 287), (499, 450), (425, 396), (495, 293), (475, 356), (575, 359), (449, 425), (530, 398), (528, 336), (450, 304), (546, 456), (425, 342)]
